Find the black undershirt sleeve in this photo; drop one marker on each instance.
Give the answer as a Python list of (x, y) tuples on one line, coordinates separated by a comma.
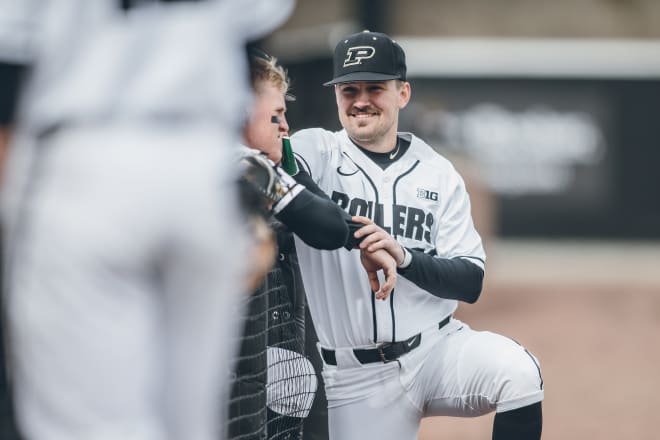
[(305, 179), (10, 78), (316, 220), (450, 278)]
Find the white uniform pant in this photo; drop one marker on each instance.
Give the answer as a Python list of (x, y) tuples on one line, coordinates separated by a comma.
[(124, 276), (456, 371)]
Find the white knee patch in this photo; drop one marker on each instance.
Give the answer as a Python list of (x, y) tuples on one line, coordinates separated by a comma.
[(520, 381), (501, 370)]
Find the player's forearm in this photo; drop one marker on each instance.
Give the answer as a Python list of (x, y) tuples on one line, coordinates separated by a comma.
[(450, 278), (305, 179), (319, 222)]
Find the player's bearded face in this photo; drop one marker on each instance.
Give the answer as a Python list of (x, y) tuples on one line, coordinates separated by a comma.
[(267, 123), (369, 111)]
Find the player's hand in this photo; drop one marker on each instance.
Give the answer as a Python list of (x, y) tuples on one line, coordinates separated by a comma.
[(375, 261), (377, 238)]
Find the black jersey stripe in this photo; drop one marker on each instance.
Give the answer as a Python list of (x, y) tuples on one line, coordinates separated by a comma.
[(394, 184), (304, 162), (371, 182), (373, 296), (538, 367), (392, 315), (533, 359), (401, 176), (373, 315)]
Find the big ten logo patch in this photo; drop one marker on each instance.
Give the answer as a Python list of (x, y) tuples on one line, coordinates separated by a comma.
[(426, 194), (355, 55)]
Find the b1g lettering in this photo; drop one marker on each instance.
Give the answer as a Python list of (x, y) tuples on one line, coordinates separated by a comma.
[(408, 221), (426, 194)]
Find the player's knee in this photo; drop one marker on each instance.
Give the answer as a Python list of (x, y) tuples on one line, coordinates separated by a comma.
[(523, 376), (527, 372)]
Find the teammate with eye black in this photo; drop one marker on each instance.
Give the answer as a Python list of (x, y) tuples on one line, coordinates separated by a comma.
[(284, 381), (388, 364)]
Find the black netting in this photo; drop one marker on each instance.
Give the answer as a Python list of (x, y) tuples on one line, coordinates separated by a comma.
[(274, 384)]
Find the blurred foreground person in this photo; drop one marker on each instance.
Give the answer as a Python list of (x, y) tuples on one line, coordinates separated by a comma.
[(119, 207)]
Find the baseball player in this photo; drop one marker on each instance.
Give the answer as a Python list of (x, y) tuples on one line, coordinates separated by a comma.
[(120, 204), (389, 363), (318, 222)]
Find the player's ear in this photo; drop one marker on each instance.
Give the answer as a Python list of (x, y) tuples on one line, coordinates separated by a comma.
[(404, 93)]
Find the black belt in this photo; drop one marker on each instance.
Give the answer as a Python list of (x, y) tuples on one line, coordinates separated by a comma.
[(385, 352)]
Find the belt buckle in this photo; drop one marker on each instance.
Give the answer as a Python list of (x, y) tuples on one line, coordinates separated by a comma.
[(381, 353)]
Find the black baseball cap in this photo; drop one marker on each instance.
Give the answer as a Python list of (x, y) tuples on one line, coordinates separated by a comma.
[(368, 56)]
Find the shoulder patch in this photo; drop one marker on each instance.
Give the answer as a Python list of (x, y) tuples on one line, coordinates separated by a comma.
[(427, 195)]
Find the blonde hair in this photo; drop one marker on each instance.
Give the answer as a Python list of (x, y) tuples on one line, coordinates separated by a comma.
[(265, 70)]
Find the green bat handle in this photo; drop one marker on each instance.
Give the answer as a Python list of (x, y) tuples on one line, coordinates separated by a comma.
[(288, 161)]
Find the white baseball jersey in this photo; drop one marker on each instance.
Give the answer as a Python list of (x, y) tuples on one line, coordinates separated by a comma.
[(455, 371), (121, 213), (419, 199)]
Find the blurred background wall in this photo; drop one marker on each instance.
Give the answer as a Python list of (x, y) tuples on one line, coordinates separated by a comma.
[(551, 110)]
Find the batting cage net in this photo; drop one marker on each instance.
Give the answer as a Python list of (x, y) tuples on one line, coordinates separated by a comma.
[(274, 383)]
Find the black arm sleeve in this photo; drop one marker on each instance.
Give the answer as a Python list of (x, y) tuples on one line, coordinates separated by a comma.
[(317, 221), (305, 179), (10, 78), (450, 278)]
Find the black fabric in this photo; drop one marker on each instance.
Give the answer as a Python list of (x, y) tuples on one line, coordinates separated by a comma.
[(287, 298), (450, 278), (524, 423), (305, 179), (10, 78), (384, 160), (315, 425), (247, 415), (286, 322), (386, 352), (247, 407), (275, 318), (368, 56), (318, 221), (289, 428)]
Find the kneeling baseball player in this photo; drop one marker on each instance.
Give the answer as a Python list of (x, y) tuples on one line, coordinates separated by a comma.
[(388, 364)]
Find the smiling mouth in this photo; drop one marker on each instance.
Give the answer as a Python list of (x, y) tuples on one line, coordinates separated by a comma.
[(362, 115)]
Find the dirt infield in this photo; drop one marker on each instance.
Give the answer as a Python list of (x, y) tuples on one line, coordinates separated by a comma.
[(598, 343)]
